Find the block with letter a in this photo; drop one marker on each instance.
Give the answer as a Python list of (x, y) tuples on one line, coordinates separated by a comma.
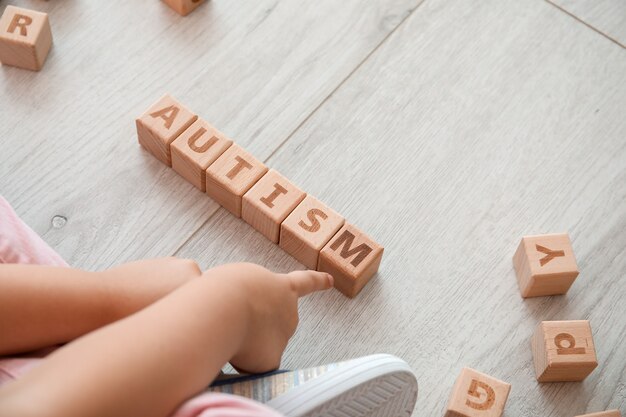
[(161, 124)]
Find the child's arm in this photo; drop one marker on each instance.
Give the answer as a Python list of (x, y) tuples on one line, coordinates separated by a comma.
[(42, 306), (150, 362)]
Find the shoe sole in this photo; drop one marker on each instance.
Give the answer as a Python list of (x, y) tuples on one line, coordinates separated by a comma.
[(372, 386)]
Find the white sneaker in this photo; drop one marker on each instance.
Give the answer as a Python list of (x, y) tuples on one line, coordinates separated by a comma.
[(371, 386)]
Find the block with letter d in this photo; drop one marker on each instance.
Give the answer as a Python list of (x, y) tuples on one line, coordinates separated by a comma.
[(563, 351)]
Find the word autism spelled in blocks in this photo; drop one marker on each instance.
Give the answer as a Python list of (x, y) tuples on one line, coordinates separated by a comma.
[(183, 7), (25, 38), (545, 265), (563, 351), (303, 226), (476, 394), (608, 413)]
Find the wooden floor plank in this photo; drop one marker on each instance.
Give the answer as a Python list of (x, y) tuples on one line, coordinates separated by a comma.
[(608, 17), (474, 124), (255, 69)]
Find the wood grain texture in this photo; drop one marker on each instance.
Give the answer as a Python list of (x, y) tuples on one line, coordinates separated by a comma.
[(474, 124), (608, 17), (255, 70)]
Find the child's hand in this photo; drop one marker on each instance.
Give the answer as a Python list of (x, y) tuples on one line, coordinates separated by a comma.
[(272, 301)]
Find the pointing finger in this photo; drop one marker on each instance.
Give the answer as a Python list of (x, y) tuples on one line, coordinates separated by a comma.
[(307, 282)]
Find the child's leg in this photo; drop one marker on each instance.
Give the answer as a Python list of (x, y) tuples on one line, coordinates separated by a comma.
[(42, 306), (144, 365)]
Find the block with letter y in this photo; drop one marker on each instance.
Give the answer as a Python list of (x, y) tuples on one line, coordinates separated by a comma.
[(352, 258)]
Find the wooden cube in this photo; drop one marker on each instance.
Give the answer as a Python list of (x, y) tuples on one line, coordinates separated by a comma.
[(197, 148), (269, 202), (476, 394), (231, 176), (352, 258), (545, 265), (307, 229), (158, 127), (607, 413), (563, 351), (25, 38), (183, 7)]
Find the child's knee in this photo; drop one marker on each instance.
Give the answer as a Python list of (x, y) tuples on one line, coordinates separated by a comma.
[(185, 267)]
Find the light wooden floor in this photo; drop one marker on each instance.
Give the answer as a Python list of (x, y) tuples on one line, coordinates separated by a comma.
[(446, 129)]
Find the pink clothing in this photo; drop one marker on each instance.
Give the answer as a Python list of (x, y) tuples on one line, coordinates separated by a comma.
[(20, 244), (223, 405)]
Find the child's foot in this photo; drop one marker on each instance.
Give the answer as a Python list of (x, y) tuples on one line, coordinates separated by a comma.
[(376, 385)]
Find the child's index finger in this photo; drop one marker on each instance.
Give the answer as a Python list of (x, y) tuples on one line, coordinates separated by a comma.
[(307, 282)]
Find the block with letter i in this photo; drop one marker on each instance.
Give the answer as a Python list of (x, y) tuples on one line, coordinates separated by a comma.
[(197, 148), (352, 258), (231, 176), (25, 38), (607, 413), (563, 351), (269, 202), (183, 7), (158, 127), (307, 230), (545, 265), (477, 395)]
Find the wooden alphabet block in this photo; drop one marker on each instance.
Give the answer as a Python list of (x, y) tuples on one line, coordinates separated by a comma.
[(307, 229), (197, 148), (183, 7), (231, 176), (269, 202), (607, 413), (563, 351), (476, 394), (352, 258), (545, 265), (164, 121), (25, 38)]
